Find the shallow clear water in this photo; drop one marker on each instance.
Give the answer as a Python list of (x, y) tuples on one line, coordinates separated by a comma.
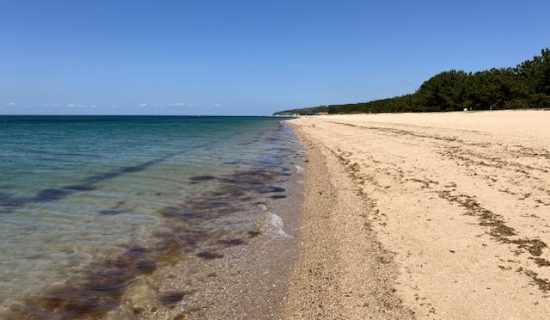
[(89, 197)]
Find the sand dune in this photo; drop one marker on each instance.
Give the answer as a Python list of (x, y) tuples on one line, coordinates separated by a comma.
[(426, 216)]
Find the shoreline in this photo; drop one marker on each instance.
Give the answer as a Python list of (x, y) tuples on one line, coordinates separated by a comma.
[(414, 216), (332, 277), (248, 279)]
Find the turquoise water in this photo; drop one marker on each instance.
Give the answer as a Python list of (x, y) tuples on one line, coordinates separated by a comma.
[(100, 200)]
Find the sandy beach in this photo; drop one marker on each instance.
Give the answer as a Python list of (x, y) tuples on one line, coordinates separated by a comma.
[(424, 216)]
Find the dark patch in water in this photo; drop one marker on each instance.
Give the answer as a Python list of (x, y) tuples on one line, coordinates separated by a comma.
[(278, 196), (132, 169), (209, 255), (232, 242), (111, 212), (253, 234), (53, 194), (234, 162), (99, 288), (181, 213), (80, 187), (202, 178), (99, 291), (114, 210), (269, 189), (181, 239), (146, 266), (128, 169), (170, 299), (9, 202), (136, 250), (101, 285)]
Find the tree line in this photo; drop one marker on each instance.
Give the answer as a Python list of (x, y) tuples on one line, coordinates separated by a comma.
[(525, 86)]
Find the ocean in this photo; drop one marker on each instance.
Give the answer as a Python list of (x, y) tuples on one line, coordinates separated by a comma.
[(146, 217)]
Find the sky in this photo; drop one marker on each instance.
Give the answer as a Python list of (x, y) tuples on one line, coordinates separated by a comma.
[(247, 57)]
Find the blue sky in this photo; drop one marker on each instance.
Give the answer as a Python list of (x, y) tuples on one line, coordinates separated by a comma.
[(247, 57)]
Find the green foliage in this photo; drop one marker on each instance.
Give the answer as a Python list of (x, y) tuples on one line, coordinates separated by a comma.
[(444, 92), (525, 86)]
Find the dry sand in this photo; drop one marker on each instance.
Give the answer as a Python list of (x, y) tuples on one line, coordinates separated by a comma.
[(424, 216)]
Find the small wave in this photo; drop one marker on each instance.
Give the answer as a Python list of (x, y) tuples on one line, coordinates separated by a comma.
[(299, 168), (277, 224), (271, 223)]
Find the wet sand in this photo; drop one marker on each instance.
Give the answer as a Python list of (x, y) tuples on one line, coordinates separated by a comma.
[(424, 216)]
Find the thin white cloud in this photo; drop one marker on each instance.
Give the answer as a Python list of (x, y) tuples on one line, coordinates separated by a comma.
[(143, 105), (178, 104), (11, 104), (217, 105), (76, 105)]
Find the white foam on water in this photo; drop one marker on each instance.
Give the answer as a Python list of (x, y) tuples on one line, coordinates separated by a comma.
[(277, 224), (298, 168)]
